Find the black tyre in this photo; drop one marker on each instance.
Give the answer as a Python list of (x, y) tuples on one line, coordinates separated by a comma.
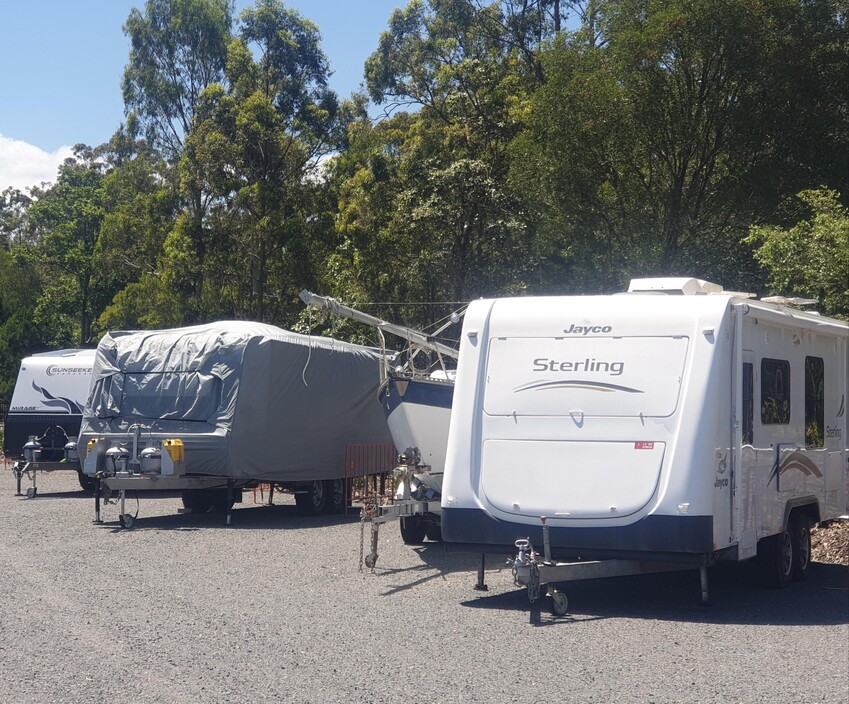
[(413, 530), (312, 501), (559, 603), (218, 500), (197, 500), (336, 497), (776, 557), (801, 532), (87, 483), (433, 531)]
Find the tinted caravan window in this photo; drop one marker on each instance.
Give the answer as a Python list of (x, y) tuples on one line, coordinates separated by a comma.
[(748, 403), (775, 391), (814, 401)]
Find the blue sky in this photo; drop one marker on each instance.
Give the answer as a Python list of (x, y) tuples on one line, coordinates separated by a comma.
[(62, 63)]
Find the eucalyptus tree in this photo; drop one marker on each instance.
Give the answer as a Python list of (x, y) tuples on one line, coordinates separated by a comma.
[(20, 288), (140, 193), (257, 145), (19, 282), (66, 220), (178, 49), (653, 147), (445, 217), (13, 209)]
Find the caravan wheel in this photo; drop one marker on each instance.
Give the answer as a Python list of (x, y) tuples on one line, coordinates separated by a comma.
[(313, 500), (196, 500), (218, 499), (87, 483), (776, 556), (336, 498), (413, 530), (801, 532), (433, 532)]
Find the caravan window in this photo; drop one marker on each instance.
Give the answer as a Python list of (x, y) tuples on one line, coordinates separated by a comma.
[(775, 391), (814, 401), (184, 396), (748, 403)]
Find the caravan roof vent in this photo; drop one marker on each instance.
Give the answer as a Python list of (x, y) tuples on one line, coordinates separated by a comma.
[(675, 286)]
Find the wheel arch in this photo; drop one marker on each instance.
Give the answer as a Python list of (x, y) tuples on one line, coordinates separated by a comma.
[(805, 506)]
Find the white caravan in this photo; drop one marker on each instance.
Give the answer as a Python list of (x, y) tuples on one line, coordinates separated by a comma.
[(680, 428), (44, 414)]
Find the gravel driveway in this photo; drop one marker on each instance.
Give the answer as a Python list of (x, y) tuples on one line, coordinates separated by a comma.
[(273, 609)]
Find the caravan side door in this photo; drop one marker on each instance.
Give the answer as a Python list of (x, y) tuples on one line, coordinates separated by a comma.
[(744, 495)]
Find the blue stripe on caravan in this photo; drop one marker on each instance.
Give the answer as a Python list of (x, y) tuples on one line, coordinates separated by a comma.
[(423, 392), (473, 529)]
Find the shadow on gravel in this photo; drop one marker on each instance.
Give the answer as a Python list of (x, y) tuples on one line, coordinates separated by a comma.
[(79, 494), (88, 496), (252, 517), (433, 557), (823, 599)]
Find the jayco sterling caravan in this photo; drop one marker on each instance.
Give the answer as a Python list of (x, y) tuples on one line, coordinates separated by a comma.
[(676, 423)]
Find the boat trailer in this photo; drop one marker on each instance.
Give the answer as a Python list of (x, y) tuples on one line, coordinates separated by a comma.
[(406, 506)]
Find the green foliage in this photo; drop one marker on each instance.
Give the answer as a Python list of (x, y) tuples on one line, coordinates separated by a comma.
[(646, 140), (811, 258), (19, 335), (425, 209), (178, 48), (255, 149), (649, 151), (13, 211), (66, 219)]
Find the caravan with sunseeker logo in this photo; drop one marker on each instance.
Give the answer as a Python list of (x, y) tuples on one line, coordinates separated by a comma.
[(643, 427), (45, 413)]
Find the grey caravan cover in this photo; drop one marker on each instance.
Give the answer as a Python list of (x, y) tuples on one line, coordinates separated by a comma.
[(248, 400)]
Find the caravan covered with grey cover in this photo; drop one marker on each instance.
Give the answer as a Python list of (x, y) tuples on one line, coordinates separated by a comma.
[(248, 401)]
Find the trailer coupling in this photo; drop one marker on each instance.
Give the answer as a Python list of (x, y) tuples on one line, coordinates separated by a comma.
[(530, 572), (540, 575)]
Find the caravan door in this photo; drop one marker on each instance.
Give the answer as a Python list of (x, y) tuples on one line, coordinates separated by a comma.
[(744, 491)]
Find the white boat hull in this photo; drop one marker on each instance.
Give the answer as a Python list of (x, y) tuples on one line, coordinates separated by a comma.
[(418, 414)]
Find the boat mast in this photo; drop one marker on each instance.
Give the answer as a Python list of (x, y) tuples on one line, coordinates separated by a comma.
[(414, 338)]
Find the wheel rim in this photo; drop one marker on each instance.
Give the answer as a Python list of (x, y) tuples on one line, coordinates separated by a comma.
[(786, 553), (337, 492), (804, 547), (317, 494), (559, 603)]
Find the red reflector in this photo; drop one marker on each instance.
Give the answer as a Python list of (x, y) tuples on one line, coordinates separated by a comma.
[(644, 446)]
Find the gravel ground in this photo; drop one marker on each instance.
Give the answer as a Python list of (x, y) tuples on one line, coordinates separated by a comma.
[(273, 609)]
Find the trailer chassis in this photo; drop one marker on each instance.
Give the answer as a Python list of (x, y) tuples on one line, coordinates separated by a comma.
[(30, 469), (540, 575), (113, 489)]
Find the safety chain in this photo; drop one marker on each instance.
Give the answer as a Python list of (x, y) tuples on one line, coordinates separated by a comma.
[(362, 541)]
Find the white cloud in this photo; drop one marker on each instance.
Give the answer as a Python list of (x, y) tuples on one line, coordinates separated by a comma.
[(23, 165)]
